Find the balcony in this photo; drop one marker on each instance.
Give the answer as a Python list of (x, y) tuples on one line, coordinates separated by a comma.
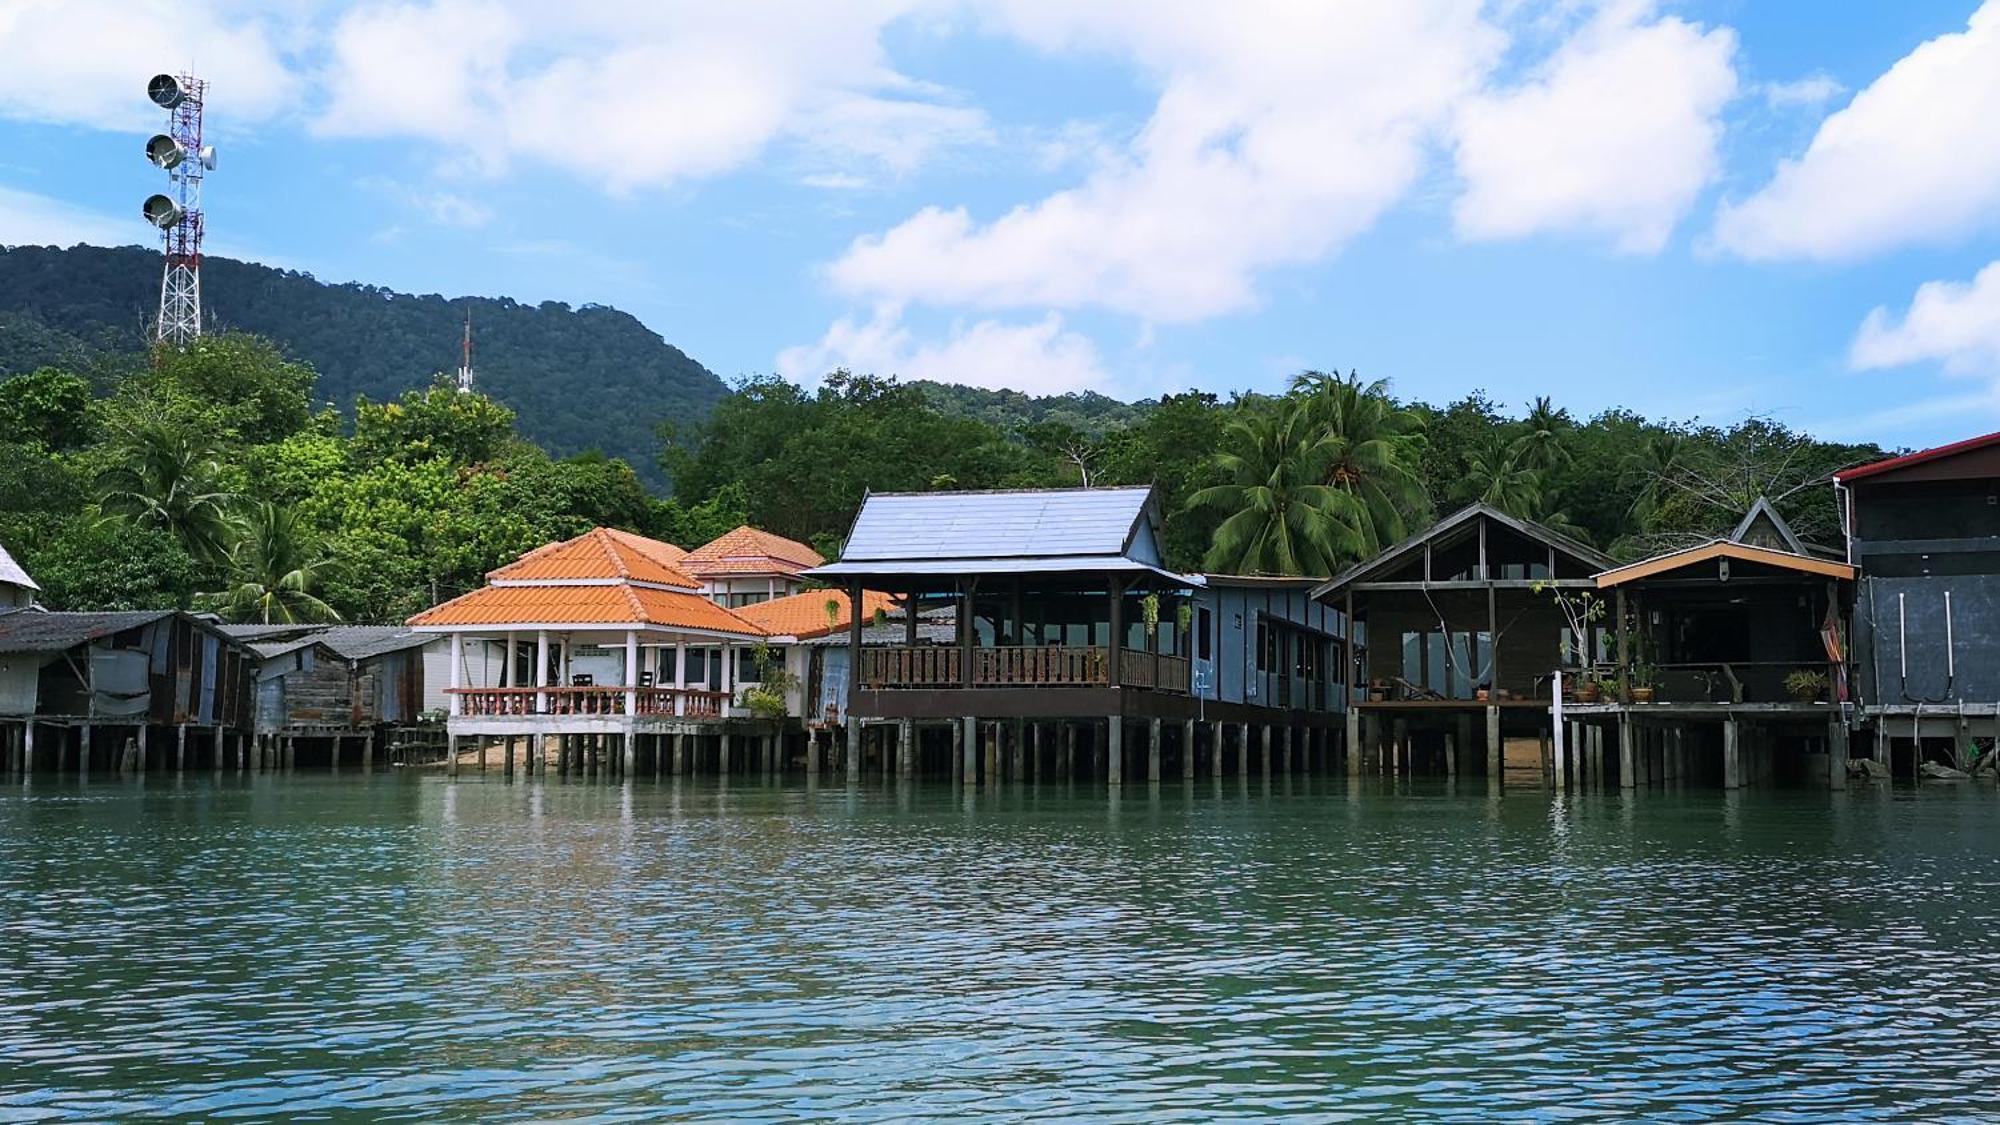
[(1019, 666), (654, 702)]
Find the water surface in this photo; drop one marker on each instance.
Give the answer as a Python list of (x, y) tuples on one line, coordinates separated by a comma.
[(395, 946)]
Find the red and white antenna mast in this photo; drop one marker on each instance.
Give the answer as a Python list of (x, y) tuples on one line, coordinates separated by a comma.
[(465, 366), (181, 153)]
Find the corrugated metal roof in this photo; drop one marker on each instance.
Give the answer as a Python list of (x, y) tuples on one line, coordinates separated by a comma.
[(34, 630), (931, 630), (1084, 564), (13, 572), (933, 526)]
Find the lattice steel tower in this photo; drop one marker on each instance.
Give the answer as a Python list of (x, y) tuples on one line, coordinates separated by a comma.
[(177, 214)]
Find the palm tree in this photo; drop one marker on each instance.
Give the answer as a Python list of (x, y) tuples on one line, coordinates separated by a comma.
[(1495, 476), (1282, 516), (274, 569), (168, 481), (1368, 447), (1541, 445), (1653, 469)]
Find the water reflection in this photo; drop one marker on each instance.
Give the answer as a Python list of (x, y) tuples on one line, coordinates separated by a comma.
[(387, 946)]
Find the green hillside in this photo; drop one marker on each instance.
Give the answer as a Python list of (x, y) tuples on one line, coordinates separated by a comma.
[(558, 367)]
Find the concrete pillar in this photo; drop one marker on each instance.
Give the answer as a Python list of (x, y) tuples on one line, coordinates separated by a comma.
[(1218, 733), (1285, 766), (450, 753), (28, 747), (679, 747), (1114, 760), (1353, 748), (180, 748), (1399, 747), (1066, 753), (1496, 765), (1153, 751), (1732, 754), (1628, 769), (722, 762), (1264, 750), (1836, 751), (906, 748), (968, 750), (628, 749)]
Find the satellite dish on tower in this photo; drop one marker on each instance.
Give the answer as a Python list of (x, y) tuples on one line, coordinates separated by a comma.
[(161, 211), (208, 157), (165, 90), (165, 151)]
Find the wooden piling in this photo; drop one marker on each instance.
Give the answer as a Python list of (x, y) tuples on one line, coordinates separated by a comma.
[(1114, 748)]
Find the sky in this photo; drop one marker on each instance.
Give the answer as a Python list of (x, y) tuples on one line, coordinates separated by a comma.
[(1709, 209)]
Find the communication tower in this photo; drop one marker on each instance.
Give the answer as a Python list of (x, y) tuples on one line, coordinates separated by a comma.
[(177, 213), (465, 366)]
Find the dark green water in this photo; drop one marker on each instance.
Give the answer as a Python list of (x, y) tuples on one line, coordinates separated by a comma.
[(402, 947)]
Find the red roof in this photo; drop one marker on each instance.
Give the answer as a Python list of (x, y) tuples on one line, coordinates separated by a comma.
[(616, 604), (748, 550), (601, 553), (1918, 458), (804, 615)]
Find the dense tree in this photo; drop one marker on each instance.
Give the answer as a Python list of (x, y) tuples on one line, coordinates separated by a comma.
[(167, 479), (46, 407)]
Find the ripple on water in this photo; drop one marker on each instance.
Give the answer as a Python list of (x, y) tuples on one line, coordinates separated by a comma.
[(411, 948)]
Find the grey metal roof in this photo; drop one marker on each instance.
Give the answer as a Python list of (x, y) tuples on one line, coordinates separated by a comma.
[(13, 572), (349, 642), (931, 630), (1785, 533), (36, 630), (946, 567), (1028, 524)]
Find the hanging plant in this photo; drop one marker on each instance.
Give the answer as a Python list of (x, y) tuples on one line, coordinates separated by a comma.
[(1149, 612)]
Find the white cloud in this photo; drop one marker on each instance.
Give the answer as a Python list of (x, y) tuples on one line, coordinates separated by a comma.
[(1614, 134), (638, 94), (1912, 159), (27, 219), (1278, 134), (1956, 324), (1812, 91), (1037, 357), (85, 62)]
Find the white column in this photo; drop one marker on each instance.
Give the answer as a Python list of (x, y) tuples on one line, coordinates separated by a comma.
[(728, 676), (457, 673), (542, 670), (507, 663), (680, 677), (631, 676)]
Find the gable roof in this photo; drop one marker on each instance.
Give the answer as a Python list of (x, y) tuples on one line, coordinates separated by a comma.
[(1018, 531), (1589, 557), (600, 554), (804, 614), (1921, 457), (13, 572), (750, 551), (1722, 549), (1763, 509)]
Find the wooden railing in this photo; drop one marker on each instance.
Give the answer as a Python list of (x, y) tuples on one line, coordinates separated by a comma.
[(689, 703), (939, 666)]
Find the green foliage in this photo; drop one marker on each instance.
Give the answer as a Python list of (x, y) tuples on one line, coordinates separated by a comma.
[(766, 699), (89, 564), (168, 479), (46, 407), (274, 571), (1280, 517), (436, 422), (259, 394)]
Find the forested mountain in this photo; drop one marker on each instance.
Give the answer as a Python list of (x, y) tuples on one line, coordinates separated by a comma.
[(86, 309), (1084, 411)]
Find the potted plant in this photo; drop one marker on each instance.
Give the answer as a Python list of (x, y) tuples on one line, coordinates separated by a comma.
[(1642, 682), (1588, 690), (1806, 685), (1610, 688)]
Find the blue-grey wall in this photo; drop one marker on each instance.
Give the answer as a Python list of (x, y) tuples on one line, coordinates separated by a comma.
[(1886, 646), (1233, 675)]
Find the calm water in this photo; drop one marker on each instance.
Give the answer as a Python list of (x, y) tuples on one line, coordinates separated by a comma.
[(402, 947)]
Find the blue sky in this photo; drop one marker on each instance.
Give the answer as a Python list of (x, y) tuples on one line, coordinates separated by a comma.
[(1688, 209)]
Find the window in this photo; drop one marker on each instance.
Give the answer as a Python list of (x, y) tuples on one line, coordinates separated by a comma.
[(1205, 628), (1264, 661)]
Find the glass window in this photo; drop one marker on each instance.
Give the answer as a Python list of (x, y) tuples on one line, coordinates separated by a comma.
[(1204, 634), (1263, 647)]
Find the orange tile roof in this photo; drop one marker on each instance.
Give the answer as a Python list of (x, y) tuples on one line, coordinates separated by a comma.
[(617, 604), (804, 615), (748, 550), (601, 553)]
